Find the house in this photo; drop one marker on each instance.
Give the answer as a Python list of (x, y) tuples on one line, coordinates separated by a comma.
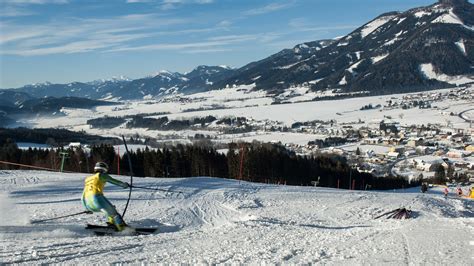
[(364, 133), (74, 145), (427, 166), (386, 141), (372, 140), (427, 163), (458, 138), (375, 160), (332, 150), (467, 173), (370, 154), (391, 141), (393, 155), (422, 150), (414, 142), (389, 126), (399, 149), (457, 153)]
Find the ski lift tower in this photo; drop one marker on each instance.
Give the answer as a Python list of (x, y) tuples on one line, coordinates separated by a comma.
[(63, 155)]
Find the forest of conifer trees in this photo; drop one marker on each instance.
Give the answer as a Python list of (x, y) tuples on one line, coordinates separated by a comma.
[(255, 162)]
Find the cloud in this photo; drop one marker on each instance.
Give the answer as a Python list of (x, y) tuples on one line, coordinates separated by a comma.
[(10, 11), (138, 1), (201, 51), (224, 23), (107, 41), (298, 22), (35, 2), (80, 35), (304, 25), (172, 4), (267, 9), (214, 43), (234, 38)]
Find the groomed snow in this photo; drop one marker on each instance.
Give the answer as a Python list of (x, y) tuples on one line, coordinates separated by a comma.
[(429, 72), (220, 221)]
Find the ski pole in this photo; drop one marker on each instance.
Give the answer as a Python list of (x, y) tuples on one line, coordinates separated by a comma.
[(158, 189), (60, 217)]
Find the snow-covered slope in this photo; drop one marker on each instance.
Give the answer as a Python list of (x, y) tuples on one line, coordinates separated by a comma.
[(224, 221)]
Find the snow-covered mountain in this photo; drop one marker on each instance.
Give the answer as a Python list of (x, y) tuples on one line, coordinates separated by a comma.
[(203, 77), (419, 49), (159, 84), (93, 90)]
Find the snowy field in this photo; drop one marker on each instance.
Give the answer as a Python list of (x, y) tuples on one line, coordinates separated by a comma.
[(242, 102), (224, 221)]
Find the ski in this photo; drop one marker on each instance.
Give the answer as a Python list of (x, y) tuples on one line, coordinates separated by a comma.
[(101, 230), (387, 213)]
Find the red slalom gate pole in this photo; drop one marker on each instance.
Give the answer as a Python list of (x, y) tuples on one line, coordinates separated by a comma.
[(353, 184), (241, 163)]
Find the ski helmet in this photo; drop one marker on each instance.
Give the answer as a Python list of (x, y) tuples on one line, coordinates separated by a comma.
[(101, 167)]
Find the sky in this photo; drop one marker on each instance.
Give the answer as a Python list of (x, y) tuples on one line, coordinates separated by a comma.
[(62, 41)]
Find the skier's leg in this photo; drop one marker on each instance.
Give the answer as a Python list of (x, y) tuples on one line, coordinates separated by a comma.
[(109, 210), (89, 203)]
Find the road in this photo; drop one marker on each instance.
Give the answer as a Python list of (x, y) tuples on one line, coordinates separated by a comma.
[(465, 119)]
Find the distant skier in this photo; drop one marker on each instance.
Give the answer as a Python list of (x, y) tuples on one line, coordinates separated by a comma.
[(94, 200), (459, 191), (446, 191), (424, 187)]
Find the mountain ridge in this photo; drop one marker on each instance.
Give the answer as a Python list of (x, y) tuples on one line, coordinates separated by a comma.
[(419, 49)]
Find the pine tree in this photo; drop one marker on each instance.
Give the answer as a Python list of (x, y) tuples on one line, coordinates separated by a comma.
[(440, 175)]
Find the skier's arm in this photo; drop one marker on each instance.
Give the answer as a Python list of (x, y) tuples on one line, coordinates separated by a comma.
[(114, 181)]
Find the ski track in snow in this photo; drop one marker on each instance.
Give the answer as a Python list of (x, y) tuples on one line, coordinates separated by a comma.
[(227, 221)]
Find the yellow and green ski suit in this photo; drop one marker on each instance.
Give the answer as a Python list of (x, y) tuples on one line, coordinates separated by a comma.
[(93, 198)]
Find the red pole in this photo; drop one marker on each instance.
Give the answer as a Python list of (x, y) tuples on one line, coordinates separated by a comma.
[(338, 181), (353, 184), (241, 162)]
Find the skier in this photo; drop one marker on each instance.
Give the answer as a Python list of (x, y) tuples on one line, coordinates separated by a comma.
[(459, 190), (94, 200), (446, 191), (424, 187)]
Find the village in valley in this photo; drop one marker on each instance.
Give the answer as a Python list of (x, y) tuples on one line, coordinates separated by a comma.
[(418, 152), (423, 137)]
